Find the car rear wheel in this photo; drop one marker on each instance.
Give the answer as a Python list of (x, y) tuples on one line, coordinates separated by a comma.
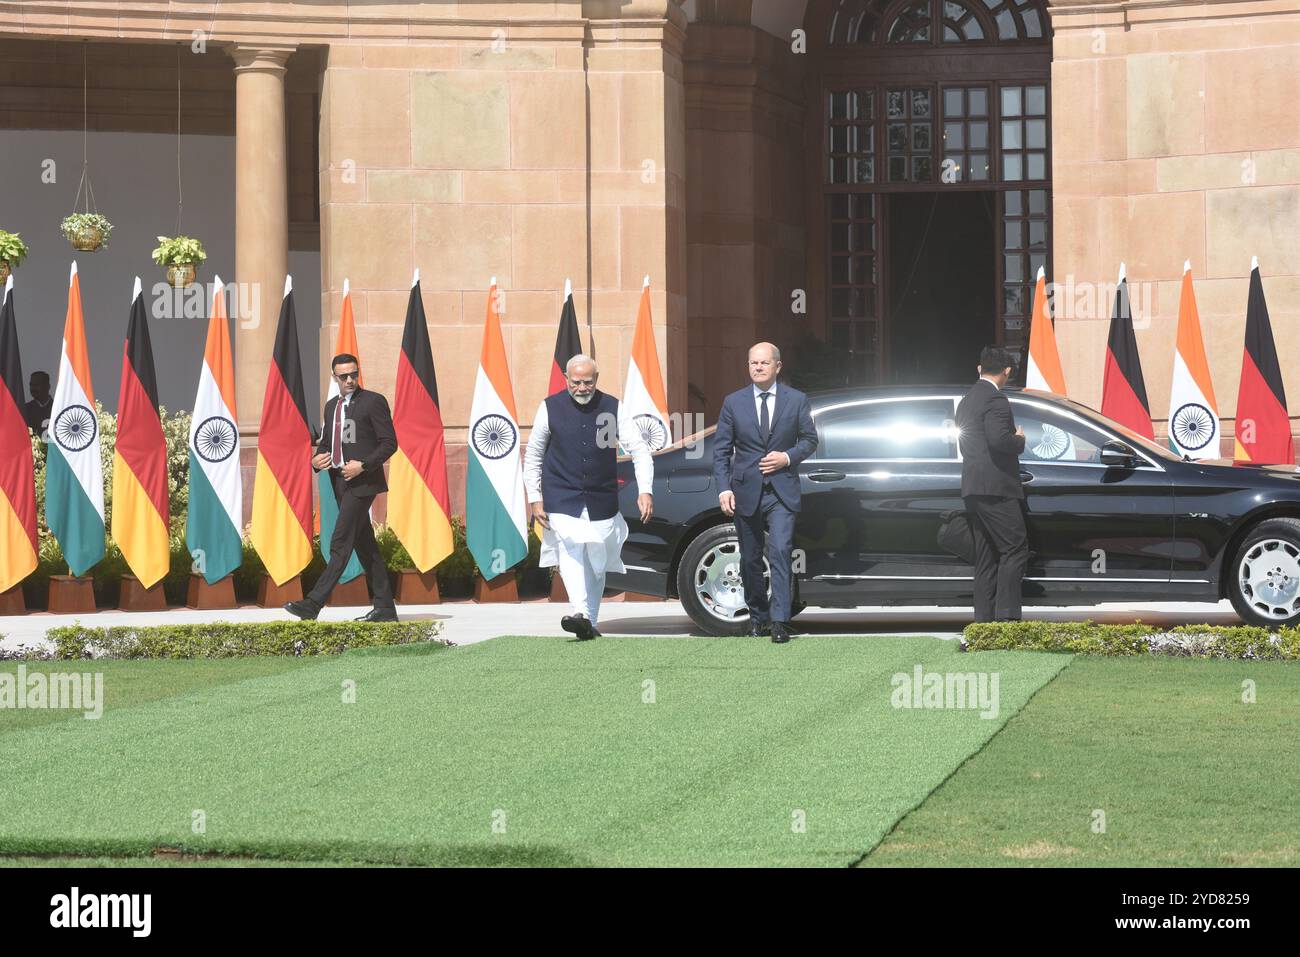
[(710, 584), (1264, 577)]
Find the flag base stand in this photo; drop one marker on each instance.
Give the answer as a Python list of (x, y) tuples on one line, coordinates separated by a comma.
[(351, 592), (500, 589), (135, 597), (71, 595), (271, 595), (12, 601), (417, 587), (558, 592), (203, 596)]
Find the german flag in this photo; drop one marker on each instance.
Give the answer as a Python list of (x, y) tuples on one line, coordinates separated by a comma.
[(18, 544), (419, 507), (282, 508), (567, 342), (1123, 391), (1263, 426), (140, 457)]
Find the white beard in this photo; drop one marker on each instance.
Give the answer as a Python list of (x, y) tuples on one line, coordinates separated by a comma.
[(583, 399)]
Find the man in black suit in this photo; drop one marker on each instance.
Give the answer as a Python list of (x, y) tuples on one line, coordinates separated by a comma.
[(763, 434), (991, 444), (357, 440)]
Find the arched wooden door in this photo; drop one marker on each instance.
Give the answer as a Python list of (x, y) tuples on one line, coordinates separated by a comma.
[(923, 96)]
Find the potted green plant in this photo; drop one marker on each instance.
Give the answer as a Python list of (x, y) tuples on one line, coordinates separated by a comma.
[(180, 254), (86, 231), (12, 252)]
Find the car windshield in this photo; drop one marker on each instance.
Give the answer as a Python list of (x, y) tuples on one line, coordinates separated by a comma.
[(1140, 441)]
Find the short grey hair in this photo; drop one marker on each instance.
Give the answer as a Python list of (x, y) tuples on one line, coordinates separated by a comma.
[(776, 353), (580, 360)]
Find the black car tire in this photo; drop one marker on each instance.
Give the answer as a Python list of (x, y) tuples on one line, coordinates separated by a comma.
[(711, 545), (1263, 577)]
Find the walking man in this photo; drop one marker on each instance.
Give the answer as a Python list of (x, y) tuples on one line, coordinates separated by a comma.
[(358, 439), (764, 432), (571, 476), (991, 444)]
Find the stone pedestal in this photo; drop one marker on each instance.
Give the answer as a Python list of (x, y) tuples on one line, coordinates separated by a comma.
[(503, 588), (201, 595), (135, 597), (271, 595), (12, 601), (417, 588), (353, 592), (70, 595)]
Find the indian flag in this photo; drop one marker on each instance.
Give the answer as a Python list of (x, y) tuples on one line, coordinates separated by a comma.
[(1193, 413), (344, 343), (495, 509), (212, 527), (644, 397), (1044, 372), (74, 471)]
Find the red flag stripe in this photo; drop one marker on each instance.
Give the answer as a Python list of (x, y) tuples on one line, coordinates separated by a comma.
[(285, 444), (140, 439), (418, 425)]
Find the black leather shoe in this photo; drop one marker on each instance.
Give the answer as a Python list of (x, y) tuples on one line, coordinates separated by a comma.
[(757, 629), (300, 609), (578, 625), (378, 614), (780, 634)]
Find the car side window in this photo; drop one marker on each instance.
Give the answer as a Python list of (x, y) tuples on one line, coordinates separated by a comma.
[(1055, 438), (913, 429)]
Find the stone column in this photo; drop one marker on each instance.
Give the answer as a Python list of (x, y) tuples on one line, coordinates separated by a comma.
[(261, 219)]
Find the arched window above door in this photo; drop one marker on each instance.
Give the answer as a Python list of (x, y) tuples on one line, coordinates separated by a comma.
[(911, 23)]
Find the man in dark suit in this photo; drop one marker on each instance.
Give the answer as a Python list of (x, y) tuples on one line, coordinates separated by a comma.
[(357, 440), (764, 432), (991, 444)]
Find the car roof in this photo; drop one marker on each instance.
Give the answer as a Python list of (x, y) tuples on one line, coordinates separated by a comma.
[(828, 396)]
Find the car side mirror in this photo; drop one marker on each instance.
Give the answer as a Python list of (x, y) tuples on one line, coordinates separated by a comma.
[(1118, 454)]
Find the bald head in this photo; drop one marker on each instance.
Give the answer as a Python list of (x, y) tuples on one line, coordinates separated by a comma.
[(764, 364)]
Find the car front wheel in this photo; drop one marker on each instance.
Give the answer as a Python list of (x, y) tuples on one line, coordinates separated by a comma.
[(1264, 577), (710, 584)]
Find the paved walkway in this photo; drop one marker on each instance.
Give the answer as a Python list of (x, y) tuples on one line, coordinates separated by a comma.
[(468, 622)]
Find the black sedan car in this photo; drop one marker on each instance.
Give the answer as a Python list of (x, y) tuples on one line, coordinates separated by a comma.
[(1111, 516)]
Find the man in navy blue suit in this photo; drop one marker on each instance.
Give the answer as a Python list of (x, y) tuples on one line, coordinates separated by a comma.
[(764, 432)]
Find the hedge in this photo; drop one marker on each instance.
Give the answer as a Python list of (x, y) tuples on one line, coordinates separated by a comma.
[(1089, 638), (234, 640)]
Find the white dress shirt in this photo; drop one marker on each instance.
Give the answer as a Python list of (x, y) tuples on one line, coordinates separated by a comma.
[(339, 410), (771, 404)]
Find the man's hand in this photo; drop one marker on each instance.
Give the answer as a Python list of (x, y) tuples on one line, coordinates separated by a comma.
[(773, 462), (1020, 431), (728, 502), (646, 503), (539, 515), (351, 469), (320, 461)]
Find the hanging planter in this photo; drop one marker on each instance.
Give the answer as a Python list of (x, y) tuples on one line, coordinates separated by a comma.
[(12, 252), (87, 231), (180, 255)]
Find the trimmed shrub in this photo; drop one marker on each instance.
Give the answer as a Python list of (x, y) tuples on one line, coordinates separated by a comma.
[(1089, 638), (238, 639)]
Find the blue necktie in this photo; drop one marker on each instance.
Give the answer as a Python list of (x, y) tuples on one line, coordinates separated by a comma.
[(764, 420)]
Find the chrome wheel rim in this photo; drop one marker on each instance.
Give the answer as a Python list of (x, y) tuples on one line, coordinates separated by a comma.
[(1268, 576), (719, 585)]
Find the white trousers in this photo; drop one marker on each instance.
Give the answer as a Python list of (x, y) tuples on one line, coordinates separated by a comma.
[(583, 583)]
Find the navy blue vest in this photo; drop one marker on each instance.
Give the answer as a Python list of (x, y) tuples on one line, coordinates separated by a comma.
[(581, 464)]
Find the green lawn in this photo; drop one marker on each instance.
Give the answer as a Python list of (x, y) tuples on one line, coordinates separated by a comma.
[(1185, 772), (557, 744), (515, 751)]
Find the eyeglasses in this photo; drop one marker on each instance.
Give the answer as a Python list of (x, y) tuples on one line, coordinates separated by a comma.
[(347, 375)]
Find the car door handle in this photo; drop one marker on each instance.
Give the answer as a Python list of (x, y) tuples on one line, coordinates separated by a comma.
[(1026, 477), (826, 475)]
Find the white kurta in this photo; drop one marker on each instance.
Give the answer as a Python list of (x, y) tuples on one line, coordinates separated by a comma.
[(584, 549)]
